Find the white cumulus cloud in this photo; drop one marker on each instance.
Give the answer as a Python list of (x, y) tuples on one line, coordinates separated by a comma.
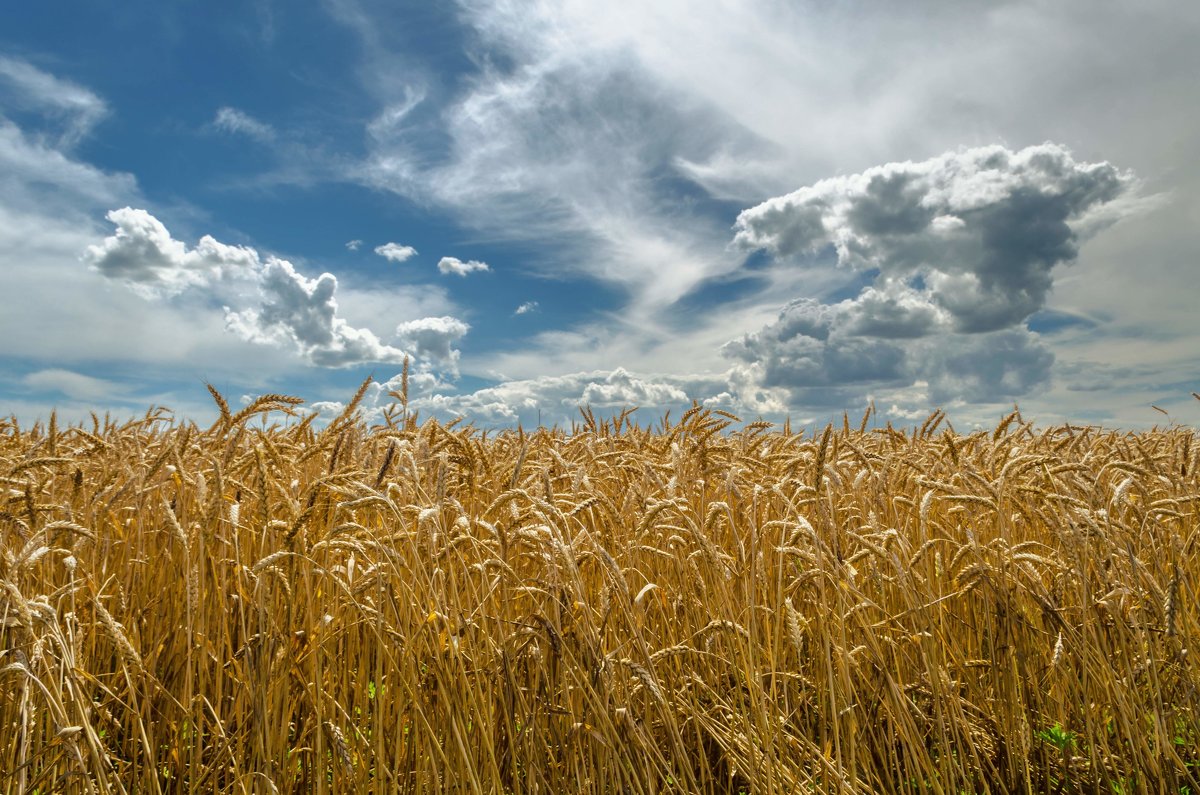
[(303, 311), (453, 265), (395, 252), (143, 253), (291, 310), (434, 338), (556, 398), (526, 308)]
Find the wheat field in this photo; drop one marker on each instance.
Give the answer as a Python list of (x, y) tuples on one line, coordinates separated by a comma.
[(701, 606)]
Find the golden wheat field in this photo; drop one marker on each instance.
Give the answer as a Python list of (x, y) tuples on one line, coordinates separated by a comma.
[(704, 606)]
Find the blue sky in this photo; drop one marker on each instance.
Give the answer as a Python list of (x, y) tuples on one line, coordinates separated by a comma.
[(777, 209)]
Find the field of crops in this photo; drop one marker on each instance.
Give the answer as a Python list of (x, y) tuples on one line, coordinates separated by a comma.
[(705, 606)]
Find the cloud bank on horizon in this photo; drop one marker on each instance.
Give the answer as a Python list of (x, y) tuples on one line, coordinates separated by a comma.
[(859, 227)]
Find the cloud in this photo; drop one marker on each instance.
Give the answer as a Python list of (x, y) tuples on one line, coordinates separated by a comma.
[(612, 133), (304, 312), (434, 338), (572, 147), (819, 355), (453, 265), (265, 16), (895, 311), (619, 138), (395, 252), (73, 322), (353, 245), (143, 253), (960, 249), (806, 347), (39, 177), (292, 311), (526, 308), (232, 120), (555, 399), (364, 301), (51, 204), (624, 141), (981, 229), (25, 86), (620, 388), (71, 384), (982, 368)]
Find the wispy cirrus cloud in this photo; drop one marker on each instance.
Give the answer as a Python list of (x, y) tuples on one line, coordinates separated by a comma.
[(75, 109), (76, 386), (238, 122), (41, 172)]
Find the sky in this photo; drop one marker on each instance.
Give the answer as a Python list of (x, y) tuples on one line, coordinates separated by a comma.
[(776, 209)]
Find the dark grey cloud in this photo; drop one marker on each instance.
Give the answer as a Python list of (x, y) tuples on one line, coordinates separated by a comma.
[(893, 311), (306, 307), (981, 229), (817, 352), (982, 368), (808, 346), (962, 248)]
